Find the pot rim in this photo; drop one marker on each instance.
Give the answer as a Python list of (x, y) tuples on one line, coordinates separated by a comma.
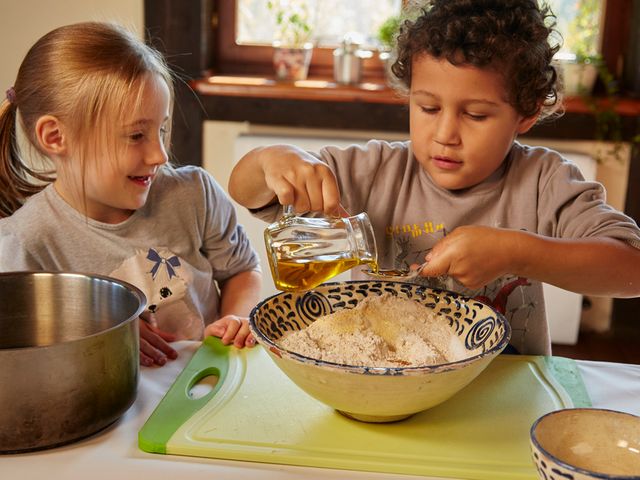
[(132, 288)]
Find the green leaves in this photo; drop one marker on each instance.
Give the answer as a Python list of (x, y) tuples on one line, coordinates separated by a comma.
[(388, 31), (293, 22)]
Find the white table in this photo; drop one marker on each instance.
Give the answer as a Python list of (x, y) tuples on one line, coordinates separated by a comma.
[(114, 453)]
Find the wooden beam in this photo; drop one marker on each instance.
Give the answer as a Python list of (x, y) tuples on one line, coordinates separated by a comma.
[(183, 32)]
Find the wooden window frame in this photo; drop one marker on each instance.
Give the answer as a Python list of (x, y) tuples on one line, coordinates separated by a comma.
[(232, 58), (256, 59)]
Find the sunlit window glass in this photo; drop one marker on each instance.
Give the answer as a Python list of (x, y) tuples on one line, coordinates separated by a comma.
[(330, 20), (579, 24)]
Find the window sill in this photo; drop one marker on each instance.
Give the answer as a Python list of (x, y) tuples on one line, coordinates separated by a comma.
[(325, 89), (315, 88)]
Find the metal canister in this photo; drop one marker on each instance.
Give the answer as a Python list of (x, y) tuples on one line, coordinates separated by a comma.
[(347, 61)]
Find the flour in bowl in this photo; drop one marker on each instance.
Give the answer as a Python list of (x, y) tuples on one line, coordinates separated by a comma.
[(381, 331)]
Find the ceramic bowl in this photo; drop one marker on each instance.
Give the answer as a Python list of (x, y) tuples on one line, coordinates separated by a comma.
[(379, 394), (586, 444)]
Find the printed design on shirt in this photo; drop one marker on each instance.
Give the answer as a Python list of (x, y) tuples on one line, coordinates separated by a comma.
[(415, 229), (403, 245), (509, 295), (405, 250), (499, 301), (158, 260), (166, 281)]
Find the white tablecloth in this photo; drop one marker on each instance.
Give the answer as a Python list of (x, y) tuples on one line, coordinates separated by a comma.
[(114, 453)]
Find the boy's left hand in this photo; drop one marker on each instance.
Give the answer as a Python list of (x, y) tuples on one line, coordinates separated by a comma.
[(231, 329), (473, 255)]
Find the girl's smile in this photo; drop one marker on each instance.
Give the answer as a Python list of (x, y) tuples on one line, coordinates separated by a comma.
[(142, 180)]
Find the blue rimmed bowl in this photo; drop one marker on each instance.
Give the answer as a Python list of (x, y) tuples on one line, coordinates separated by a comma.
[(379, 394), (586, 444)]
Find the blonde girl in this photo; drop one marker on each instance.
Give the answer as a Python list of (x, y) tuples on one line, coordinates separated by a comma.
[(97, 103)]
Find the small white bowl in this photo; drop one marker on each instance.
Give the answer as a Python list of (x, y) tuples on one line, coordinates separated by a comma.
[(586, 444)]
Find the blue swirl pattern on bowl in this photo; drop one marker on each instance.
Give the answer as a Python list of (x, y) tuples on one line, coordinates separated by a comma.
[(483, 330)]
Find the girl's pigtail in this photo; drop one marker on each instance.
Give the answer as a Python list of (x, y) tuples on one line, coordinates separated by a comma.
[(16, 178)]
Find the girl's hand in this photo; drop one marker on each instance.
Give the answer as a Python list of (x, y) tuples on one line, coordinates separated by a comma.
[(231, 328), (154, 346), (473, 255)]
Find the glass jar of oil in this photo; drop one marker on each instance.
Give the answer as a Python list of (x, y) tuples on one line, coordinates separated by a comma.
[(303, 252)]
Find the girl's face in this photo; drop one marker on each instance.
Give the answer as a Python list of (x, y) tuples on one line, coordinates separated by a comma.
[(118, 176), (461, 124)]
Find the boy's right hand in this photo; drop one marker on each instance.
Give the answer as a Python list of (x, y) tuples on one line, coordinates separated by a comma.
[(474, 255), (154, 346), (294, 176)]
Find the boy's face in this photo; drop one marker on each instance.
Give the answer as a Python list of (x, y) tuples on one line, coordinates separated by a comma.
[(461, 124)]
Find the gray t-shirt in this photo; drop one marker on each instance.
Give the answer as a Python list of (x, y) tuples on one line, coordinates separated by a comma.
[(535, 190), (177, 248)]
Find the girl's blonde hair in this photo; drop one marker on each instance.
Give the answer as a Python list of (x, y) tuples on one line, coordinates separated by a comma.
[(84, 74)]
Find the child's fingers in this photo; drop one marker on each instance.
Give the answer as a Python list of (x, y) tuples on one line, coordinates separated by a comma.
[(314, 192), (145, 360), (242, 335), (232, 329), (250, 341), (149, 355), (216, 329), (233, 325), (154, 343), (284, 191), (225, 328), (331, 197), (436, 265)]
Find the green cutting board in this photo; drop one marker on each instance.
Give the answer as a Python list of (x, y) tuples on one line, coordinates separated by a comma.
[(255, 413)]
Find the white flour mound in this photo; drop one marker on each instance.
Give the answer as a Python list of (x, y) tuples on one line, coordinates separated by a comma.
[(384, 331)]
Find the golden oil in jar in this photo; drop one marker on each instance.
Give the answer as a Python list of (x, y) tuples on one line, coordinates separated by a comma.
[(294, 275)]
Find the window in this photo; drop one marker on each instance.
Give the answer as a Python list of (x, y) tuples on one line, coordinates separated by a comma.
[(331, 20), (246, 28), (246, 32), (579, 24)]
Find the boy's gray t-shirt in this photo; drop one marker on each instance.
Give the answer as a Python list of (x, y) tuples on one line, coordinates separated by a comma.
[(177, 248), (535, 190)]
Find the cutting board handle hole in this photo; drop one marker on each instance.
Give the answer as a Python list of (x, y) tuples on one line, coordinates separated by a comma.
[(203, 386)]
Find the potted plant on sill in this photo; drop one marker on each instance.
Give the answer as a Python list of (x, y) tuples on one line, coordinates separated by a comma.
[(579, 60), (579, 76), (608, 120), (578, 73), (292, 45), (386, 36)]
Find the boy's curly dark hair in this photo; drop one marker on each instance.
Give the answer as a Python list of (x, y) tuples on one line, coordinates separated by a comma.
[(509, 36)]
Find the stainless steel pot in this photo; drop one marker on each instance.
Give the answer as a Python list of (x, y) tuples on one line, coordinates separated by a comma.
[(69, 356)]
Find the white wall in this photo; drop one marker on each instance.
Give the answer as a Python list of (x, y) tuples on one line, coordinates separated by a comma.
[(22, 22)]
